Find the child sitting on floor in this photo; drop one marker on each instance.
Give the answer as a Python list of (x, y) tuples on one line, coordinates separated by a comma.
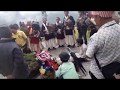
[(67, 69), (82, 48)]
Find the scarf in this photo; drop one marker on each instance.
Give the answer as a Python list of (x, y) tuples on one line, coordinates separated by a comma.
[(67, 17), (46, 29)]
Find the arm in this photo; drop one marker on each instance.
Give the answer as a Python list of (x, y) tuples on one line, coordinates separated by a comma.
[(24, 36), (20, 69), (92, 48), (72, 19), (78, 25), (96, 42), (57, 73)]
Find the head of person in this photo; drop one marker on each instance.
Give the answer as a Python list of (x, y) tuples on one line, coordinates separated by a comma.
[(64, 56), (14, 28), (80, 41), (81, 13), (57, 19), (5, 32), (102, 17), (66, 13)]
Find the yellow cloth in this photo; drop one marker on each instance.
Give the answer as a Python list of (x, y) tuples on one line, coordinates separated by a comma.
[(88, 34), (42, 71), (76, 33), (20, 38)]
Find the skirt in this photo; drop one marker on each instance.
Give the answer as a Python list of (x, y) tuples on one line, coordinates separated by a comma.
[(68, 32), (61, 42), (60, 36), (69, 40), (34, 40)]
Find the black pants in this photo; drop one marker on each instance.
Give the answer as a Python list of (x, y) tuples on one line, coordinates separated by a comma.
[(25, 49), (82, 33), (78, 63), (92, 76)]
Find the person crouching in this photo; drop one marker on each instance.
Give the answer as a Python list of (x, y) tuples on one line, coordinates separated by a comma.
[(67, 69)]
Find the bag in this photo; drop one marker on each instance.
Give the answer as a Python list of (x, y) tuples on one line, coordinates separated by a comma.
[(109, 70)]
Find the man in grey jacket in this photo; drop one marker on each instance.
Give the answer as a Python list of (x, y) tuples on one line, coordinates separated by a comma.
[(105, 43), (11, 58)]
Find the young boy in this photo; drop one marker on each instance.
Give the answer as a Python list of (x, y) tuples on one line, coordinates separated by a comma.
[(67, 69)]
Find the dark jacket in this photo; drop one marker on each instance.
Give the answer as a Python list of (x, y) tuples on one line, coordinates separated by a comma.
[(11, 60), (69, 31), (71, 18)]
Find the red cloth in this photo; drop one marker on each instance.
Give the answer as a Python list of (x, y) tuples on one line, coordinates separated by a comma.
[(53, 63), (34, 40)]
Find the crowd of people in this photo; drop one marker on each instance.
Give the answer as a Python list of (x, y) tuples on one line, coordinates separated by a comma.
[(97, 34), (49, 36)]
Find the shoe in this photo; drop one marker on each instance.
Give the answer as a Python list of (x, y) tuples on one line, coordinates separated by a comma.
[(49, 49), (68, 46), (54, 48)]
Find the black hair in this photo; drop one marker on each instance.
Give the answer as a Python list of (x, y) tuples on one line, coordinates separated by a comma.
[(58, 18), (14, 26), (80, 41), (36, 26), (5, 32), (67, 11), (64, 56)]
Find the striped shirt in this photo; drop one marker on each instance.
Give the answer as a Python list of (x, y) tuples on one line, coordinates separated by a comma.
[(106, 44)]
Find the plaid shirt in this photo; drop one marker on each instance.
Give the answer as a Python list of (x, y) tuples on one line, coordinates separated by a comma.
[(106, 44)]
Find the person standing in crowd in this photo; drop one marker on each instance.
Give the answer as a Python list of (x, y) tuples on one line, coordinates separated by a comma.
[(35, 37), (82, 26), (19, 36), (52, 36), (91, 28), (11, 58), (69, 23), (67, 69), (29, 32), (60, 33), (46, 33), (104, 44), (23, 27)]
